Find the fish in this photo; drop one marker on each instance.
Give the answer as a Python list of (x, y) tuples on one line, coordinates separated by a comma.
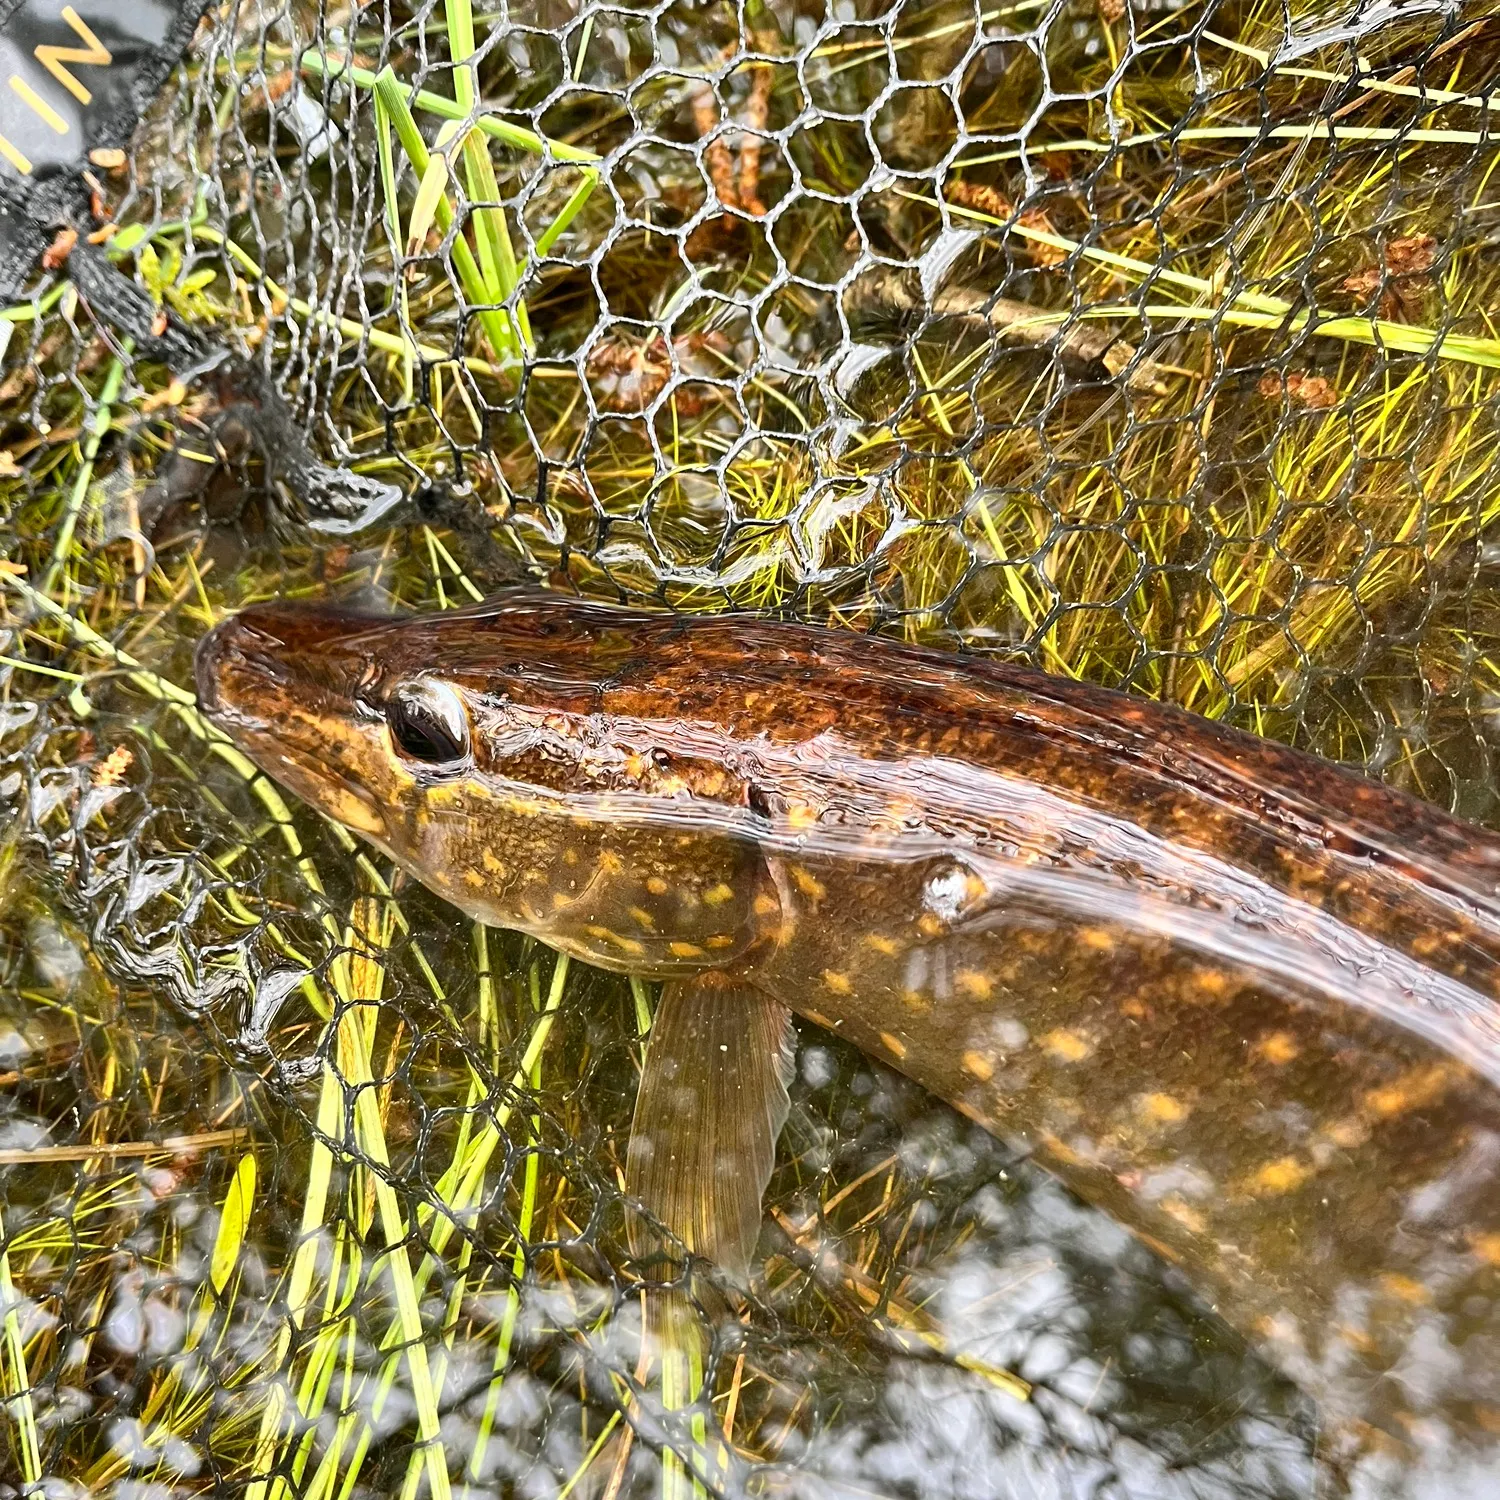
[(1241, 999)]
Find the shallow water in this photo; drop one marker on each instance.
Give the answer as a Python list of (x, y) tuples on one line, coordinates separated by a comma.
[(158, 940), (1138, 1391)]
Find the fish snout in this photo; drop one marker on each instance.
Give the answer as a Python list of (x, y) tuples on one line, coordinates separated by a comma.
[(209, 659), (293, 649), (232, 662), (274, 680)]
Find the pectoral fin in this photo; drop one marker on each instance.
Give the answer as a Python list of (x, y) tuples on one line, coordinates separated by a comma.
[(712, 1102)]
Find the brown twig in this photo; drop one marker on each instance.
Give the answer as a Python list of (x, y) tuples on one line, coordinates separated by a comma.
[(172, 1145), (1081, 346), (757, 113), (716, 153)]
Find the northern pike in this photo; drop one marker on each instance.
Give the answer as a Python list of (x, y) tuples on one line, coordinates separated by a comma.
[(1241, 999)]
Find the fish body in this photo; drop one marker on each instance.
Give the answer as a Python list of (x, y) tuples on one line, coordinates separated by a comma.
[(1241, 999)]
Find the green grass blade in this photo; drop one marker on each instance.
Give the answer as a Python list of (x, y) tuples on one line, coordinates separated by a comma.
[(356, 1075), (109, 394), (447, 109), (1248, 309), (387, 164), (461, 49), (512, 1293), (491, 233), (17, 1381), (492, 319), (567, 213), (234, 1220)]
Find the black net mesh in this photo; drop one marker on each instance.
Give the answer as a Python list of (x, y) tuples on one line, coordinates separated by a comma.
[(1152, 344)]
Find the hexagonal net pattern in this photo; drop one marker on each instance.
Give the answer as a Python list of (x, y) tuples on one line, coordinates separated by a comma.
[(1152, 344)]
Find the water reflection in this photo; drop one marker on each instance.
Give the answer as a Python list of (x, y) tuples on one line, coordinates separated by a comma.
[(889, 1215), (1137, 1390)]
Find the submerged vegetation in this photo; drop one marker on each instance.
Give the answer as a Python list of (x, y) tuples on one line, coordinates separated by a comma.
[(1153, 344)]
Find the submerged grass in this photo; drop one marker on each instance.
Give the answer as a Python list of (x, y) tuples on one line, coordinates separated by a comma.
[(1288, 524)]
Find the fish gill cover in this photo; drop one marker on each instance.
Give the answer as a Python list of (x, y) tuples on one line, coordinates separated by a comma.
[(1150, 343)]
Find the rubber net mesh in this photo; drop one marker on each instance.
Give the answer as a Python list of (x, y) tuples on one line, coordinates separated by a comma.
[(1151, 344)]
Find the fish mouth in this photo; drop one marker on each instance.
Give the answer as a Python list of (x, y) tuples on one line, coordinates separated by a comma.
[(222, 658), (249, 686)]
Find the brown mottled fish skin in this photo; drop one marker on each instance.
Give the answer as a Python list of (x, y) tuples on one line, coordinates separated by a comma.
[(1243, 1000)]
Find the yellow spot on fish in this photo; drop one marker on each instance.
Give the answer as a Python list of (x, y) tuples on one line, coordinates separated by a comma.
[(1067, 1044), (972, 983), (1162, 1109), (642, 918), (915, 1000), (610, 862), (1185, 1214), (1162, 1248), (881, 944), (929, 925), (656, 885), (894, 1045), (801, 815), (624, 944), (720, 940), (1349, 1134), (971, 1111), (766, 906), (559, 900), (717, 895), (1486, 1246), (491, 863), (570, 856), (1060, 1151), (839, 983), (524, 807), (1278, 1328), (1284, 1175), (473, 877), (685, 950), (1135, 1009), (1277, 1048), (1423, 1086), (1211, 981), (808, 883), (1097, 938), (1405, 1289), (979, 1065)]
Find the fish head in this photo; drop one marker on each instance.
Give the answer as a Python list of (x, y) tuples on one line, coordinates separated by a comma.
[(487, 752)]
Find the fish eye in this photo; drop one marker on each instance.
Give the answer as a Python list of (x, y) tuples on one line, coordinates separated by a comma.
[(427, 721)]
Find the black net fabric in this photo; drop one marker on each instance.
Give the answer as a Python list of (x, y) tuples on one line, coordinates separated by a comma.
[(1152, 344)]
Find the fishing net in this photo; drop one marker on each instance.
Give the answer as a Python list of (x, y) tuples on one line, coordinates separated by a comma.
[(1151, 344)]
